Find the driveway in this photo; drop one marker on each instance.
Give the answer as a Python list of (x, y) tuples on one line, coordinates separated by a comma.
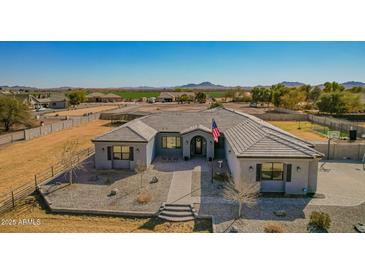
[(342, 182)]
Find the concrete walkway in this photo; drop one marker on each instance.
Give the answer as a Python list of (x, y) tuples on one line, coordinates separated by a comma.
[(180, 188)]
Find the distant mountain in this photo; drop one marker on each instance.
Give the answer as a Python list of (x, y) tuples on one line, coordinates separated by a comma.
[(292, 84), (203, 85), (351, 84)]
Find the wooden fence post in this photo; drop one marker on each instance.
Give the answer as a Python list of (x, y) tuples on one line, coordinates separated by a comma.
[(12, 198), (52, 171), (35, 179)]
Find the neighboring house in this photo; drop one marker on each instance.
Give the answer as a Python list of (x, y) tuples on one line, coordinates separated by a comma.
[(167, 96), (55, 101), (98, 97), (253, 149)]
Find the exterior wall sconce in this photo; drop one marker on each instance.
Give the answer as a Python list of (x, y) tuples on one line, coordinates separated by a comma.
[(102, 148), (210, 142), (229, 151), (137, 149), (187, 142), (250, 169), (298, 169)]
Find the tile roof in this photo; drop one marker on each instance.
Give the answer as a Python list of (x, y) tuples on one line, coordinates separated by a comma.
[(133, 131), (248, 136), (196, 127)]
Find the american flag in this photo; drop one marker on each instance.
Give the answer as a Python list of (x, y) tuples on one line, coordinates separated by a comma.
[(215, 131)]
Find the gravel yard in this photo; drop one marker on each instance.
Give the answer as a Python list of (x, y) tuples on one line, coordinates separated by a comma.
[(255, 218), (93, 187)]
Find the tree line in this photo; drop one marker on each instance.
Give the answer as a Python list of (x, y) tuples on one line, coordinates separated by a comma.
[(333, 98)]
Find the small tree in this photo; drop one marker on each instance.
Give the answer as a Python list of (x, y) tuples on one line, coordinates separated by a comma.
[(77, 97), (201, 97), (241, 193), (12, 112), (70, 159), (140, 169)]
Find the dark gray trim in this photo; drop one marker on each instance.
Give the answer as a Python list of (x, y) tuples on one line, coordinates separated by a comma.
[(275, 157), (116, 141)]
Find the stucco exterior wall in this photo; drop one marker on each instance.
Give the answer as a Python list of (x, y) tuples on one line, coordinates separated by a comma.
[(167, 151), (186, 140), (303, 179), (101, 155)]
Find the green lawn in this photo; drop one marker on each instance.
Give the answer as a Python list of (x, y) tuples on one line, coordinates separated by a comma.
[(215, 94), (137, 94)]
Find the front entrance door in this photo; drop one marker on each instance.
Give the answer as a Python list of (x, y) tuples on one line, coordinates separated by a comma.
[(198, 145)]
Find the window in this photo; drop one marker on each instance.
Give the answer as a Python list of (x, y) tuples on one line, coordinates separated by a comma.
[(171, 142), (272, 171), (122, 153)]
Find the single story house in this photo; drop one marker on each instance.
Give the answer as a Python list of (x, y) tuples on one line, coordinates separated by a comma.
[(253, 149), (99, 97), (55, 101), (173, 96)]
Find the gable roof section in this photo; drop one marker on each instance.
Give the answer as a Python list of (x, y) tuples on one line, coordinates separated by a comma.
[(196, 127), (134, 131)]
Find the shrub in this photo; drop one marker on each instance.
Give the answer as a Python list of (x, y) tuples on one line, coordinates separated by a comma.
[(215, 105), (144, 198), (223, 177), (274, 228), (319, 220)]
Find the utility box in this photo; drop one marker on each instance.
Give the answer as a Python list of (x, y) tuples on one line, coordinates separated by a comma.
[(352, 134)]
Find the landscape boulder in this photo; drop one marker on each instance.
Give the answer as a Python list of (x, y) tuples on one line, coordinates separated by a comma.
[(154, 180), (113, 192), (280, 213)]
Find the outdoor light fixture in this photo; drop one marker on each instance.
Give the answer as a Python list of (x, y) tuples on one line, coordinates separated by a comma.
[(210, 141), (187, 142), (250, 168), (103, 149), (137, 149), (298, 168)]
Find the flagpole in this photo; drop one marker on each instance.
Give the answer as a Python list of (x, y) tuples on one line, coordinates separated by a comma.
[(213, 153)]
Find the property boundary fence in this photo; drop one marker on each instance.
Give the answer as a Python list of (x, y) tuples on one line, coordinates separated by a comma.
[(333, 123), (337, 124), (9, 200), (32, 133)]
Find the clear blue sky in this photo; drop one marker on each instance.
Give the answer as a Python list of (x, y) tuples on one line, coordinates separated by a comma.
[(123, 64)]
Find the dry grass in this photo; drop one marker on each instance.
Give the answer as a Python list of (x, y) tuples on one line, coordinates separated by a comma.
[(144, 198), (82, 223), (81, 111), (305, 132), (20, 161), (273, 227)]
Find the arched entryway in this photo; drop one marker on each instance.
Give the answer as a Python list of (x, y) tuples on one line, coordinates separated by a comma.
[(198, 146)]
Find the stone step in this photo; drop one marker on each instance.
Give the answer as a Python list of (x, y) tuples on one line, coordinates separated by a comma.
[(176, 208), (176, 219), (177, 205), (176, 213)]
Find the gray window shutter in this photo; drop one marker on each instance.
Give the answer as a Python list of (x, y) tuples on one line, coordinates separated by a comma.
[(109, 151), (258, 172), (288, 173), (131, 156)]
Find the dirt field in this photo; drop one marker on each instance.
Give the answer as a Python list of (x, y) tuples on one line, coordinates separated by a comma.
[(305, 132), (81, 111), (172, 107), (245, 108), (20, 161), (30, 217)]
